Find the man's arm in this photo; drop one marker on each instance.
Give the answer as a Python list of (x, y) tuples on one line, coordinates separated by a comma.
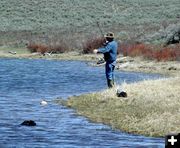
[(105, 49)]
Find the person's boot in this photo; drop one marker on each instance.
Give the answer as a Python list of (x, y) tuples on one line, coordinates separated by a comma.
[(113, 82), (110, 83)]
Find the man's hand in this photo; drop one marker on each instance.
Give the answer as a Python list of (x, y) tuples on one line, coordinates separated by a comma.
[(95, 51)]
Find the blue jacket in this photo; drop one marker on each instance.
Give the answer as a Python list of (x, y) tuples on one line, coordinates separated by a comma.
[(109, 51)]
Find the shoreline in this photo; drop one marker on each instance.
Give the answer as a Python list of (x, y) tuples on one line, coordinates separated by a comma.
[(148, 110), (139, 113), (135, 64)]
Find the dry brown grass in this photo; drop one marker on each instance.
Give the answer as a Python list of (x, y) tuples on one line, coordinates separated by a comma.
[(60, 47), (152, 107), (139, 64)]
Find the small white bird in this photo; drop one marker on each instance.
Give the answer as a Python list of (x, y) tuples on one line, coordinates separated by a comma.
[(43, 102)]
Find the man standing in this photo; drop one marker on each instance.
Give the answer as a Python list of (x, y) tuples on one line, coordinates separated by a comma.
[(110, 54)]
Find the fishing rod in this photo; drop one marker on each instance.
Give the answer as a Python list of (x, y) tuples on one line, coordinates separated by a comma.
[(102, 34), (101, 60)]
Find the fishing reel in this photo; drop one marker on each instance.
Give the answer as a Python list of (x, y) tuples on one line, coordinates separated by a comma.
[(100, 61)]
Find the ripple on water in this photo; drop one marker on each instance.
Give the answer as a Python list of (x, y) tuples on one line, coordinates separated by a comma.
[(23, 85)]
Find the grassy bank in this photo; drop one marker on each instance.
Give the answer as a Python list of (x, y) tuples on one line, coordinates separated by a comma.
[(151, 108), (139, 64), (7, 52)]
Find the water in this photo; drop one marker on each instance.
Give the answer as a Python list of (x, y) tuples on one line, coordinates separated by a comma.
[(23, 84)]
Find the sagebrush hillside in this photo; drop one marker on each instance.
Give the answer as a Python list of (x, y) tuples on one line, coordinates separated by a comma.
[(143, 20)]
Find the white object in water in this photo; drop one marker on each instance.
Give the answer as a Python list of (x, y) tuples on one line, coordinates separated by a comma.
[(43, 102)]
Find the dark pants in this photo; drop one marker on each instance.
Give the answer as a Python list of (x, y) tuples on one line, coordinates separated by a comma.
[(110, 73)]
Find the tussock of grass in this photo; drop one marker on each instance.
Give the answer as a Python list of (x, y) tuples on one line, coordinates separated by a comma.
[(152, 107)]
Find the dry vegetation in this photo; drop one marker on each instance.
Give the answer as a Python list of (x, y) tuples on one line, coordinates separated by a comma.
[(140, 20), (60, 47), (93, 43), (140, 26), (149, 52), (151, 108), (152, 52)]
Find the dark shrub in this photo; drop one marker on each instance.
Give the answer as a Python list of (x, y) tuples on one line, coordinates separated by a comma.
[(93, 43), (158, 53), (59, 47)]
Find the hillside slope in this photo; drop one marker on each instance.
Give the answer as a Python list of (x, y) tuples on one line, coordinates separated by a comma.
[(147, 20)]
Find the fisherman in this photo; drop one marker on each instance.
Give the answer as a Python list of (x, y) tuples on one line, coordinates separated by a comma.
[(110, 53)]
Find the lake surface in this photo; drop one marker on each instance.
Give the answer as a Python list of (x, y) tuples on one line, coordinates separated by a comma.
[(24, 83)]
